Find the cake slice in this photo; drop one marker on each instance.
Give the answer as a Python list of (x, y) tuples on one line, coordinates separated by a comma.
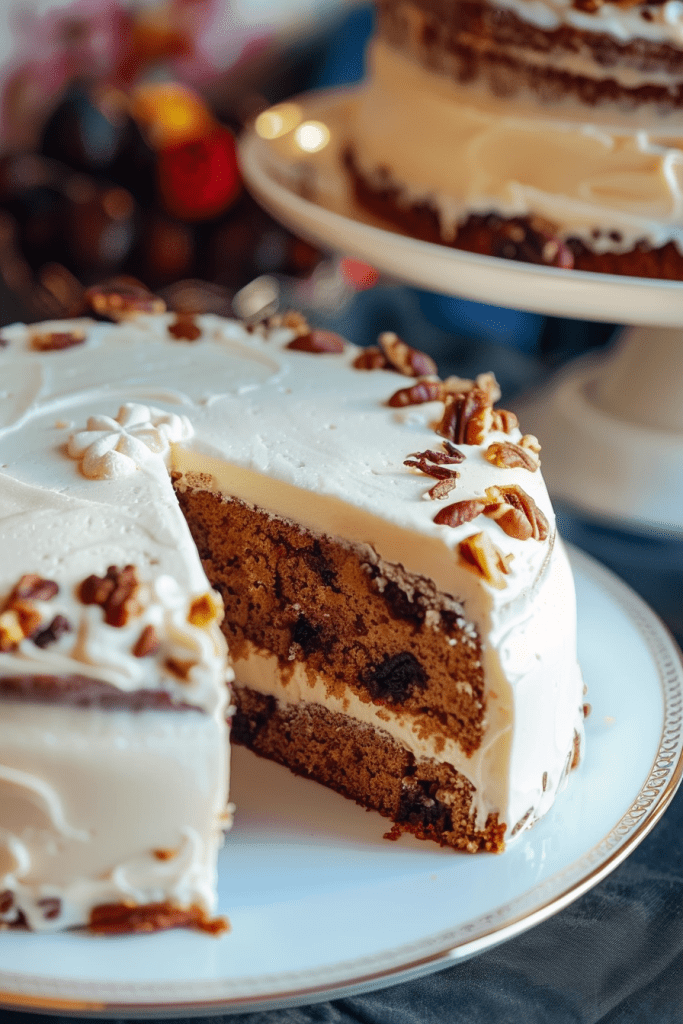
[(382, 552)]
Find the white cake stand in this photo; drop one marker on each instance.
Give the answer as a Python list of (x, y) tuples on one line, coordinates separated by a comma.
[(611, 425)]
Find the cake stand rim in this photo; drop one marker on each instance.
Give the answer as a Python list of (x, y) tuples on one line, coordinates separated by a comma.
[(551, 291)]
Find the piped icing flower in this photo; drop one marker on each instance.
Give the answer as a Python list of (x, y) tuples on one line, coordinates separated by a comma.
[(112, 448)]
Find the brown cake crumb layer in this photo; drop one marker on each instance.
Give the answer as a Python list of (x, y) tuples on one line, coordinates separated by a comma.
[(128, 918), (479, 42), (527, 239), (362, 625), (431, 800), (83, 692)]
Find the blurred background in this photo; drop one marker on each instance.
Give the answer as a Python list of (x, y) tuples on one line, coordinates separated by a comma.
[(118, 128)]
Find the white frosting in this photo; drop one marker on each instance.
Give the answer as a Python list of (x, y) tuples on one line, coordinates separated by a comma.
[(270, 426), (89, 796), (620, 21), (574, 166), (111, 448)]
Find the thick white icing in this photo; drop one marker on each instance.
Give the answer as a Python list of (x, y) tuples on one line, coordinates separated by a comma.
[(623, 22), (87, 798), (270, 426), (618, 174)]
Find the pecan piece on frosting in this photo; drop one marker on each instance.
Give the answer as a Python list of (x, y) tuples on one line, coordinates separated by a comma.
[(441, 489), (291, 319), (504, 421), (185, 327), (486, 382), (516, 512), (478, 552), (317, 341), (122, 298), (147, 644), (56, 341), (460, 512), (51, 634), (467, 417), (435, 468), (204, 610), (371, 358), (116, 593), (32, 587), (507, 455), (427, 390), (11, 632), (406, 360)]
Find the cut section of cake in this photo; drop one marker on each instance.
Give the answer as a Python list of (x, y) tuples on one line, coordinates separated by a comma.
[(546, 131), (399, 609)]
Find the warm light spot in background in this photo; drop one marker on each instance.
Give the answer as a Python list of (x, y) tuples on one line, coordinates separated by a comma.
[(170, 113), (312, 136), (277, 121)]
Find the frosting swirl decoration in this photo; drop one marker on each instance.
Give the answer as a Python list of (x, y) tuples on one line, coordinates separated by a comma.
[(112, 448)]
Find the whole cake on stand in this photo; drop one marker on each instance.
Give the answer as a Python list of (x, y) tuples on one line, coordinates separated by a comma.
[(547, 132)]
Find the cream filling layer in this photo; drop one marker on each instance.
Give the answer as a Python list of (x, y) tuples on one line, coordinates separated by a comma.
[(89, 796), (471, 152)]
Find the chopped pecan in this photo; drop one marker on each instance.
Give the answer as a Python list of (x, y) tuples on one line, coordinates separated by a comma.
[(291, 319), (486, 382), (180, 668), (460, 512), (516, 512), (116, 593), (28, 615), (317, 341), (147, 644), (55, 341), (447, 458), (185, 327), (467, 417), (408, 361), (11, 633), (371, 358), (122, 298), (427, 390), (6, 901), (429, 468), (3, 344), (162, 854), (204, 610), (507, 455), (504, 421), (32, 587), (478, 552), (532, 444), (441, 489), (452, 450), (51, 634)]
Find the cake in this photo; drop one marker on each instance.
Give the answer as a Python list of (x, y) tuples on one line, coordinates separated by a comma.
[(377, 542), (548, 131)]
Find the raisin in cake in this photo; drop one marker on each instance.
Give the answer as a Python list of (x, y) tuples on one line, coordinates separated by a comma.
[(541, 130), (378, 543)]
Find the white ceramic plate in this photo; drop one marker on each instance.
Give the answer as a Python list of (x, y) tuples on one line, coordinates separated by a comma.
[(322, 905), (280, 174)]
